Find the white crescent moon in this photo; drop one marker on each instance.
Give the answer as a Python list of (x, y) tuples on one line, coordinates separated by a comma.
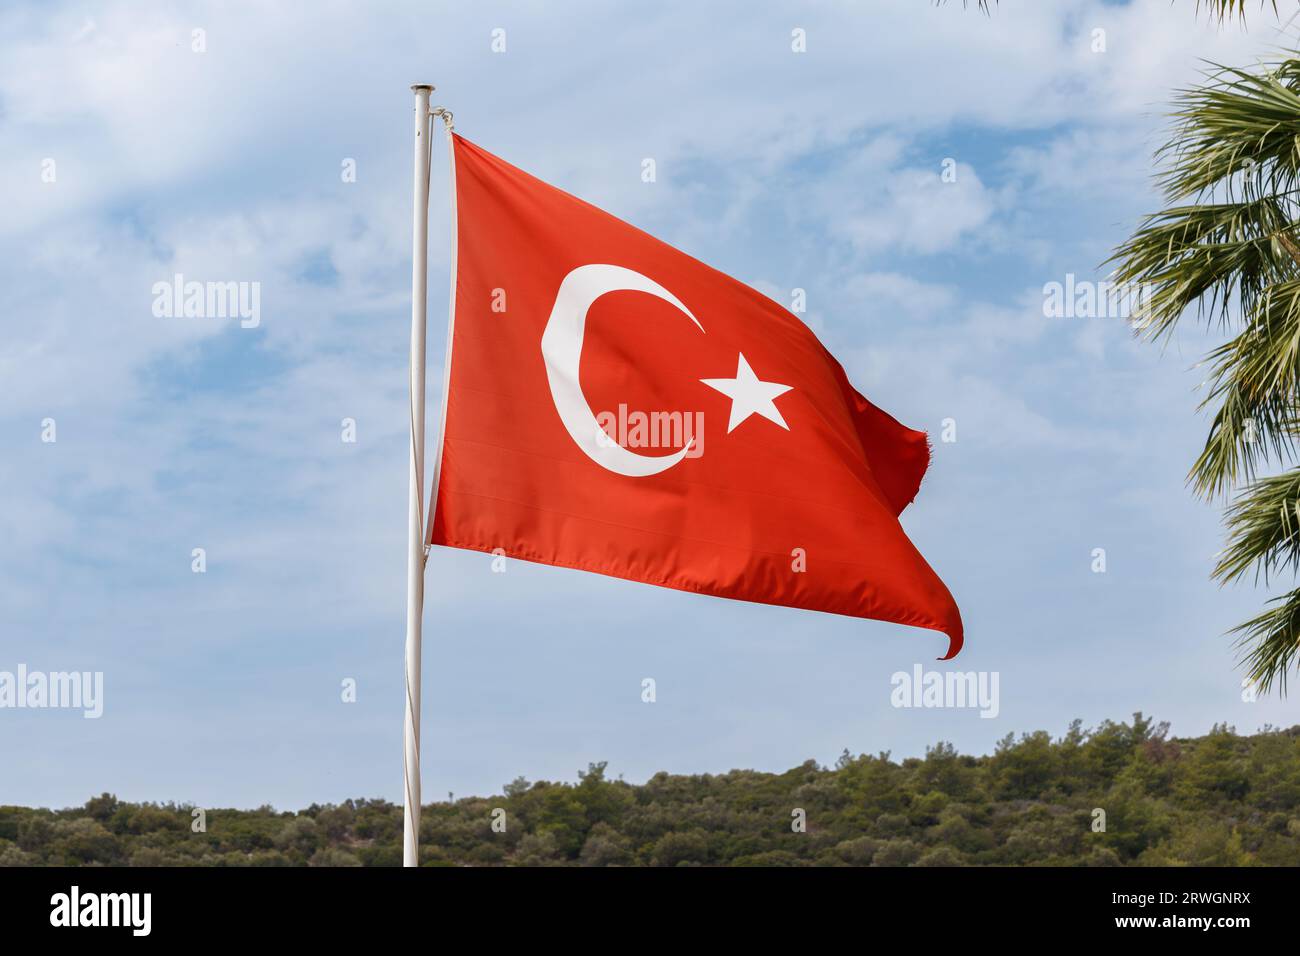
[(562, 350)]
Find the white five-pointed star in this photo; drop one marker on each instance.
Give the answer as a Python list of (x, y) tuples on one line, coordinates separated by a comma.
[(748, 395)]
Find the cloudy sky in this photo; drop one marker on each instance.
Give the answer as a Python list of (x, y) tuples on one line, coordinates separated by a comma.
[(819, 170)]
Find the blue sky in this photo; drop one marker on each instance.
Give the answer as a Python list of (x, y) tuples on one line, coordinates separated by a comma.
[(818, 170)]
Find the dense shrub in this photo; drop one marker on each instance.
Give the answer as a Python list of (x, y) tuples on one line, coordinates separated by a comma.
[(1218, 800)]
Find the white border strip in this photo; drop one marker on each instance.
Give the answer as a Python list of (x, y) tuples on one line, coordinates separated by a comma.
[(451, 325)]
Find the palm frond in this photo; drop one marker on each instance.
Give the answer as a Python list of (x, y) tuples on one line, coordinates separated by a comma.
[(1269, 642), (1255, 382), (1264, 530), (1220, 10), (982, 4), (1226, 251), (1227, 9), (1209, 255), (1239, 123)]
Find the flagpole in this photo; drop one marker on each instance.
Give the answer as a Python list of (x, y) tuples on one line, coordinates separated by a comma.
[(415, 528)]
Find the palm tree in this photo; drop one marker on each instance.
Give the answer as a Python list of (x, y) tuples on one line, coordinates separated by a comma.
[(1219, 9), (1228, 244)]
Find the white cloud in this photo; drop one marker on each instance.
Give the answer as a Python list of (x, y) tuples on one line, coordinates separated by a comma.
[(914, 210)]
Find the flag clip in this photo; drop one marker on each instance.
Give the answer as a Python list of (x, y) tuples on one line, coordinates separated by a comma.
[(446, 117)]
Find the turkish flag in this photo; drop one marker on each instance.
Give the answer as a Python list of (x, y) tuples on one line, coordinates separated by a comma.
[(614, 405)]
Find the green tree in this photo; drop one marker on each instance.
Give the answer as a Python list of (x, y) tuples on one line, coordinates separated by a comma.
[(605, 846), (1025, 768), (681, 848), (84, 840), (298, 836)]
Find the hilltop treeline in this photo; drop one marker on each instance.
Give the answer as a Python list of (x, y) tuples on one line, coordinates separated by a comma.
[(1219, 800)]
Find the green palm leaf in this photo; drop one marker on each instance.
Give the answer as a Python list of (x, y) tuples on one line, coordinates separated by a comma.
[(1225, 253), (1219, 9)]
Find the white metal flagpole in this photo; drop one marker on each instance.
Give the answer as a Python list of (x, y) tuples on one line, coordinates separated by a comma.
[(415, 539)]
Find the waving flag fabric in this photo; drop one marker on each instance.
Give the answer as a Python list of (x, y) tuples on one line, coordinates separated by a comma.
[(614, 405)]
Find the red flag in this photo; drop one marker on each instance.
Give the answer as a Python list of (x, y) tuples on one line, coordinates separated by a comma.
[(614, 405)]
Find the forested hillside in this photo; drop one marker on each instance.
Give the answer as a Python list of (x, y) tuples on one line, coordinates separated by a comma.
[(1221, 799)]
